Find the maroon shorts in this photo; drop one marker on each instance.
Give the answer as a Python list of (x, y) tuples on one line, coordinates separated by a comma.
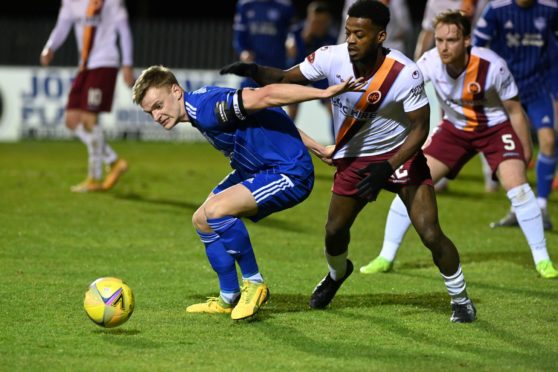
[(455, 147), (415, 171), (92, 90)]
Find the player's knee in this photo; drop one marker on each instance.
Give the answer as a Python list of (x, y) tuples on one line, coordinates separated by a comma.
[(334, 228), (213, 209), (199, 220), (430, 235)]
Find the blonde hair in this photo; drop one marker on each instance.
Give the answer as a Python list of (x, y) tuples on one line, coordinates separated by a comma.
[(154, 76)]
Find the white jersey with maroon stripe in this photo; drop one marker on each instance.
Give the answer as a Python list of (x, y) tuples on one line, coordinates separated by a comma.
[(396, 88), (96, 26), (474, 99)]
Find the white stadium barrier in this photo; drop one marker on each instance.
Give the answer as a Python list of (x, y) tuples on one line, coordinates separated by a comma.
[(32, 104)]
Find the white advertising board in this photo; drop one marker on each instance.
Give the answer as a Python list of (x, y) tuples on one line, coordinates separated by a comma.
[(32, 104)]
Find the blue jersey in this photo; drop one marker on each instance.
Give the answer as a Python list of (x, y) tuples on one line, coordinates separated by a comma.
[(262, 26), (523, 38), (264, 141)]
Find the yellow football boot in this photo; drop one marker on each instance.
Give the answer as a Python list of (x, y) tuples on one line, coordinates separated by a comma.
[(117, 169), (252, 297), (213, 305), (89, 185)]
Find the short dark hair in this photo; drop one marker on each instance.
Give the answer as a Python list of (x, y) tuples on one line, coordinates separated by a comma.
[(454, 17), (374, 10), (318, 7)]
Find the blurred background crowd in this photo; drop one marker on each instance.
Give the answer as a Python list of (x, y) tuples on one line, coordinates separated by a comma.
[(198, 37)]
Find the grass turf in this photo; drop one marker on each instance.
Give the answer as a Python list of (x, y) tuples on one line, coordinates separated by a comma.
[(54, 243)]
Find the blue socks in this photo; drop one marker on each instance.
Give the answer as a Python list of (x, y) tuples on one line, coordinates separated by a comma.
[(234, 236), (545, 169), (230, 242), (222, 263)]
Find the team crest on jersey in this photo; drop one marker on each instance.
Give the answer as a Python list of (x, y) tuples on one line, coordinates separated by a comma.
[(374, 97), (415, 74), (473, 87), (540, 23), (311, 57)]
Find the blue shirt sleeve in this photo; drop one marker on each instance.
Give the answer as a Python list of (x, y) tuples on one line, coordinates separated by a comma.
[(486, 28), (215, 108)]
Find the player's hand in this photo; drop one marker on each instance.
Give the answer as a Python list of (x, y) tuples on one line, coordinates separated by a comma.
[(348, 85), (128, 75), (326, 153), (46, 56), (240, 69), (376, 176)]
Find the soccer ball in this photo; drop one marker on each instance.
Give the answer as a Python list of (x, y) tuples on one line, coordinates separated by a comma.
[(109, 302)]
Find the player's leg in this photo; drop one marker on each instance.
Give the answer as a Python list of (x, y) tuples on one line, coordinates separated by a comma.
[(74, 118), (215, 232), (398, 223), (101, 83), (445, 155), (423, 211), (541, 114), (489, 184), (529, 217), (342, 213), (545, 169)]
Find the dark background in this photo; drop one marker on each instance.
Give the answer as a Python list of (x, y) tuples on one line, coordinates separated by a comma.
[(218, 9), (199, 38)]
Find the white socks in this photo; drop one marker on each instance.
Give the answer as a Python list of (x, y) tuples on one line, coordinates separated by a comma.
[(98, 150), (397, 224), (456, 286), (337, 265), (530, 220)]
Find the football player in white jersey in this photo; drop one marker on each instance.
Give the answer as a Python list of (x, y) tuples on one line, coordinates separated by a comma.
[(97, 24), (379, 135), (482, 114)]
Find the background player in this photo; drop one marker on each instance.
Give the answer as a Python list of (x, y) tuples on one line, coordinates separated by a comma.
[(260, 30), (522, 32), (98, 24), (479, 98)]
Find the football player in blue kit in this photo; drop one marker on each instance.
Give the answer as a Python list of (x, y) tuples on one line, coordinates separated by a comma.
[(260, 32), (522, 32), (272, 169)]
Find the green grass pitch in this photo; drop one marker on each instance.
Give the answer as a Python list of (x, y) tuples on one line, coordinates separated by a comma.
[(54, 243)]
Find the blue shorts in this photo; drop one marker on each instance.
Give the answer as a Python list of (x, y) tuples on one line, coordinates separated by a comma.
[(273, 192), (540, 111)]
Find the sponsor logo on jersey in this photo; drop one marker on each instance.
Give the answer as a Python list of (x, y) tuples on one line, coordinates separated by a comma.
[(311, 57), (473, 87), (508, 24), (415, 74), (374, 97)]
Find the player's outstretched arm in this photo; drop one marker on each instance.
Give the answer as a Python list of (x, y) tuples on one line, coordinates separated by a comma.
[(265, 75), (285, 94)]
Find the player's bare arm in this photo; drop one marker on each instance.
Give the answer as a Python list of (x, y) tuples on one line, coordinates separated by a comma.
[(520, 125), (285, 94), (265, 75), (420, 126), (324, 153)]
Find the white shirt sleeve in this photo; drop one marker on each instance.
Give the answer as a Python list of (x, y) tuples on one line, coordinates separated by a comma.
[(62, 28), (422, 64), (504, 81), (316, 66), (413, 94)]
